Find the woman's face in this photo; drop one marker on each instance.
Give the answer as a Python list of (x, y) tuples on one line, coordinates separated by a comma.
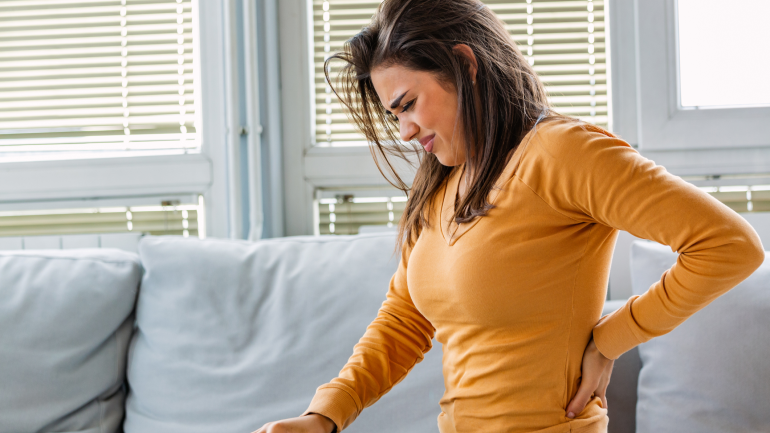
[(426, 110)]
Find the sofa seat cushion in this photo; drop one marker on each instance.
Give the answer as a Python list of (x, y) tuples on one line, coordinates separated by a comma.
[(234, 334), (711, 374), (65, 324)]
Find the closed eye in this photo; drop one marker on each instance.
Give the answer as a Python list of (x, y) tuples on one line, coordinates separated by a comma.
[(405, 107), (408, 105)]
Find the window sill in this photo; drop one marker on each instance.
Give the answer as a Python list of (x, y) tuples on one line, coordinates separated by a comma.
[(104, 177)]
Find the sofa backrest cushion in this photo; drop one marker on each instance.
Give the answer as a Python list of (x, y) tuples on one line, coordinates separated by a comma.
[(65, 324), (233, 334), (711, 373)]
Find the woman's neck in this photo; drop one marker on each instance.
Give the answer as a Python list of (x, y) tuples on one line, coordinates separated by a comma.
[(462, 185)]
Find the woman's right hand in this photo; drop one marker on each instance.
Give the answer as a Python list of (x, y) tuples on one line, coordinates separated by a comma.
[(310, 423)]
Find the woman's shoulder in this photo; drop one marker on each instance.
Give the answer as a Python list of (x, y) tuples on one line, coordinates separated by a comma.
[(568, 139), (561, 129), (568, 162)]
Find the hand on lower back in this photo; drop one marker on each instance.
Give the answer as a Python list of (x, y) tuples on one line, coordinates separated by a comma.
[(596, 371), (312, 423)]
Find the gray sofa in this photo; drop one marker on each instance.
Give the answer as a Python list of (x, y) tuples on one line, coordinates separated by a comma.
[(222, 336)]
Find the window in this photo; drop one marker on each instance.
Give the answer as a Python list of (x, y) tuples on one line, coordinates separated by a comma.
[(94, 79), (565, 41), (169, 218), (117, 104), (696, 112), (101, 227), (350, 214), (740, 78)]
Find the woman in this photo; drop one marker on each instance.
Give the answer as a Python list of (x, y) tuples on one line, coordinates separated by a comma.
[(508, 233)]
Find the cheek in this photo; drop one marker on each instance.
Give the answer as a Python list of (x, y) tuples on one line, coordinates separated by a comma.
[(437, 115), (448, 114), (442, 121), (450, 130)]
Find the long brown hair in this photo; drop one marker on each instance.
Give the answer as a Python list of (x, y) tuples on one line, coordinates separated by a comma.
[(420, 35)]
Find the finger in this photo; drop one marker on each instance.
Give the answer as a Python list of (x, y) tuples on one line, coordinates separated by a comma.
[(602, 394), (580, 400), (604, 384), (603, 399), (609, 372), (604, 381)]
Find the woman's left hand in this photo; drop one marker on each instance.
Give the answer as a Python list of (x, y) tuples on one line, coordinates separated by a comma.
[(596, 376)]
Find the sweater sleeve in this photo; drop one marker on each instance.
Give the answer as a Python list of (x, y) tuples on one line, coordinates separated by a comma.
[(592, 177), (393, 343)]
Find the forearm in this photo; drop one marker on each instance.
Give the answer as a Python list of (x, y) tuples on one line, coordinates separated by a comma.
[(393, 343)]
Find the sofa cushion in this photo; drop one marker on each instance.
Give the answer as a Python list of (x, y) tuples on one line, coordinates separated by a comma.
[(66, 320), (711, 373), (233, 334)]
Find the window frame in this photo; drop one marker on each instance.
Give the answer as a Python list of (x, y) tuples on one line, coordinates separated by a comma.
[(308, 168), (709, 143), (34, 183)]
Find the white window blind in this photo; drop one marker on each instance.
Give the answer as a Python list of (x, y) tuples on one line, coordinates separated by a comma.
[(100, 76), (565, 42), (166, 219), (345, 214), (741, 198)]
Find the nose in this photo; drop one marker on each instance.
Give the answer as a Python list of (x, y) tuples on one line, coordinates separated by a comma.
[(408, 130)]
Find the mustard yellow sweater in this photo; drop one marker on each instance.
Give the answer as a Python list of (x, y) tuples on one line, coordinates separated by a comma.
[(515, 296)]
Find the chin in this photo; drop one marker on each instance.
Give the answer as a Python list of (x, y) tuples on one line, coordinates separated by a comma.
[(447, 160)]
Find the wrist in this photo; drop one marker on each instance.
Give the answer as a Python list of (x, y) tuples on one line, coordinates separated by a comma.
[(328, 425), (592, 346)]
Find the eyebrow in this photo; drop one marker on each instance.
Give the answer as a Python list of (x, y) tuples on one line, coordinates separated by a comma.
[(396, 102)]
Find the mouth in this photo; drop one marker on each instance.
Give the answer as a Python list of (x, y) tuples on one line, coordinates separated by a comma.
[(427, 142)]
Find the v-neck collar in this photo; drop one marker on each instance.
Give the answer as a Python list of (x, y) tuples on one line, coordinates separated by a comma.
[(450, 230)]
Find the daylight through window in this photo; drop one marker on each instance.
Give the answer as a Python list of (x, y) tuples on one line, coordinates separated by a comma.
[(96, 78)]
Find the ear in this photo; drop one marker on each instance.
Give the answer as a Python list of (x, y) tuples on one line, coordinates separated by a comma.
[(467, 52)]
